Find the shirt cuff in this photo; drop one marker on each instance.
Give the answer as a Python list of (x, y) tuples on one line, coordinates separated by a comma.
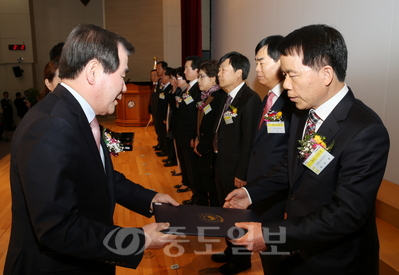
[(249, 197)]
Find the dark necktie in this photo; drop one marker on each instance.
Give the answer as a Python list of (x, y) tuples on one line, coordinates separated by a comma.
[(268, 106), (313, 118), (215, 138)]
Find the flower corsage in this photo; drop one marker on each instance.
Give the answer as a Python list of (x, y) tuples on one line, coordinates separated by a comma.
[(178, 99), (185, 95), (200, 105), (232, 113), (114, 145), (273, 116), (310, 143)]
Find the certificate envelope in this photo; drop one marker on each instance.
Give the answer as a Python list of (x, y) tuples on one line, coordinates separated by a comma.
[(196, 220)]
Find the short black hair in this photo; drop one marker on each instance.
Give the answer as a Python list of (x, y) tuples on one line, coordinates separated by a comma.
[(164, 65), (272, 43), (168, 71), (56, 51), (180, 71), (319, 45), (238, 62), (195, 61), (87, 42)]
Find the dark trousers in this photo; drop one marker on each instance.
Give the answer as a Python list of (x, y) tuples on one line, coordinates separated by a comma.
[(162, 139), (171, 150), (191, 166), (183, 165), (207, 190)]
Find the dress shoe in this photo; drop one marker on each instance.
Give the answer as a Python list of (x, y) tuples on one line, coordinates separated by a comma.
[(183, 190), (178, 185), (161, 154), (170, 163), (165, 160), (176, 174), (188, 202), (155, 146), (220, 258), (233, 267)]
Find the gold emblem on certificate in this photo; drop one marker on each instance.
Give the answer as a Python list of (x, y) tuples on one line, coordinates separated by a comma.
[(207, 217)]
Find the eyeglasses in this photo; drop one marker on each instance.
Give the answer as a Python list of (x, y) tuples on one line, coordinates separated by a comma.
[(179, 78), (202, 76)]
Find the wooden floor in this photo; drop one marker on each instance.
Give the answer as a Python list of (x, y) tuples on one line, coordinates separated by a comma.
[(141, 166)]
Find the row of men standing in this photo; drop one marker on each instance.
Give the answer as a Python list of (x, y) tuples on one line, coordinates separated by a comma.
[(239, 146)]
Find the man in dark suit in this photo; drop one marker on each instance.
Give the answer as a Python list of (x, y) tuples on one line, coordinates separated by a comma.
[(187, 128), (270, 142), (162, 109), (63, 184), (160, 68), (329, 226), (235, 131)]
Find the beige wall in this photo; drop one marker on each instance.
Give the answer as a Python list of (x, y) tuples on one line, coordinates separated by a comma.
[(54, 20), (152, 26), (371, 31)]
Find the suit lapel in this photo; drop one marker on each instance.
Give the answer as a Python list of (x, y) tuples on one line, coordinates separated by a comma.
[(277, 106), (84, 126), (298, 123), (329, 129)]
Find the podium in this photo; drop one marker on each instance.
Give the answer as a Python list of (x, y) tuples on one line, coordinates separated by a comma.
[(132, 109)]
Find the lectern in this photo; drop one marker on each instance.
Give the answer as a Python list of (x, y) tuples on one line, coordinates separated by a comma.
[(132, 109)]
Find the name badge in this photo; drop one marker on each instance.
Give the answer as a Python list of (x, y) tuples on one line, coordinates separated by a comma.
[(274, 127), (207, 109), (162, 96), (318, 160), (188, 100), (228, 119)]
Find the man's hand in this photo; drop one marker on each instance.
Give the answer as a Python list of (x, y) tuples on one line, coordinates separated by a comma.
[(238, 199), (160, 197), (196, 142), (239, 183), (155, 239), (253, 240)]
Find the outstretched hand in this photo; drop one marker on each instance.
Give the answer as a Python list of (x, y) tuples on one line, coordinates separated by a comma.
[(253, 240), (238, 199), (154, 239), (164, 198)]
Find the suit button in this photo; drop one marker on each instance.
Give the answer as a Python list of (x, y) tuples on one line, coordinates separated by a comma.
[(293, 197)]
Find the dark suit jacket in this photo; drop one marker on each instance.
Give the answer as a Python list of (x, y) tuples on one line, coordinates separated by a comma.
[(266, 152), (331, 217), (235, 139), (186, 128), (63, 198), (206, 128), (154, 98), (162, 105)]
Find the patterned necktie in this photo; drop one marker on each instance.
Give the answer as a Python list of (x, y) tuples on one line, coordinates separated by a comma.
[(268, 106), (313, 118), (215, 138), (95, 128)]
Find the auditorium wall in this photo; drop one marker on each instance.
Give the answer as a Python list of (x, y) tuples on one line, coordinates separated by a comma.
[(371, 31)]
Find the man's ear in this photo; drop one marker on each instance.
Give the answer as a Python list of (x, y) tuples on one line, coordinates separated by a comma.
[(328, 75), (91, 70), (239, 73)]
